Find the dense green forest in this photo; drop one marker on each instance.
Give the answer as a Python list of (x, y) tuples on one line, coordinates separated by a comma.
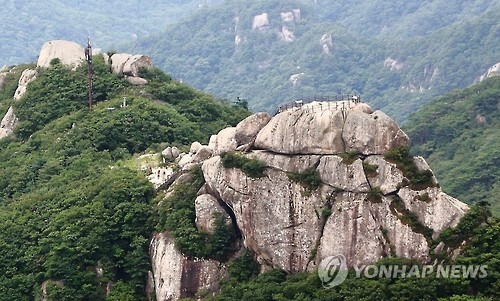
[(398, 56), (26, 25), (459, 135), (70, 206)]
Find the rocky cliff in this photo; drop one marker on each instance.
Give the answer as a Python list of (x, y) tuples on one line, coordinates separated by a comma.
[(335, 178)]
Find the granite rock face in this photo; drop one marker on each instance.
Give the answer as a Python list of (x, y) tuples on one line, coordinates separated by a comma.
[(331, 128), (174, 276), (8, 123), (27, 77), (359, 207), (129, 64), (207, 208), (261, 22), (68, 53)]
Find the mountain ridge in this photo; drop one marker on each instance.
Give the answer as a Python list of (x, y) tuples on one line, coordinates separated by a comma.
[(81, 221), (267, 68)]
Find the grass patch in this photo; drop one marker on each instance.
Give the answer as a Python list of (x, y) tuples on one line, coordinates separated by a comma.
[(251, 167), (374, 195), (326, 212), (233, 160), (349, 157), (309, 178), (419, 179), (254, 168), (423, 197), (370, 169)]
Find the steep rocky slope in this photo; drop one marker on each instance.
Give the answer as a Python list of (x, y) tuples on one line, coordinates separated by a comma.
[(325, 178)]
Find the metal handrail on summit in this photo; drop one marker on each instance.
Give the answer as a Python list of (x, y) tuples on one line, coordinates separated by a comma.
[(299, 103)]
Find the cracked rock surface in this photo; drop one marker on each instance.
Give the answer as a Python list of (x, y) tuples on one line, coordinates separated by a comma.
[(360, 209)]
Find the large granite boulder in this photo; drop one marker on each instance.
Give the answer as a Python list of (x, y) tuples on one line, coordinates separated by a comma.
[(371, 134), (248, 128), (320, 128), (68, 53), (129, 64)]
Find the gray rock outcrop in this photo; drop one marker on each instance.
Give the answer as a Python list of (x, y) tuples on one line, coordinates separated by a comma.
[(295, 78), (393, 64), (356, 230), (326, 43), (286, 34), (27, 77), (279, 224), (129, 66), (207, 209), (3, 74), (359, 207), (492, 71), (175, 276), (8, 123), (261, 22), (68, 53)]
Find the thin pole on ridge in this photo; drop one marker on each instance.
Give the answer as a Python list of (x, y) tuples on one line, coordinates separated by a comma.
[(88, 57)]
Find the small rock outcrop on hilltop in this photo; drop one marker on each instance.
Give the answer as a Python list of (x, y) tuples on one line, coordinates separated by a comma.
[(335, 179), (129, 66), (68, 53), (71, 54)]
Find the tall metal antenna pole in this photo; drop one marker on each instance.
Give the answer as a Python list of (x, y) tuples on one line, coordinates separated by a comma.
[(88, 57)]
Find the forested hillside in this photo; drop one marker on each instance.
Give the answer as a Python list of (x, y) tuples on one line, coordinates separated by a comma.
[(459, 135), (77, 215), (398, 57), (26, 25), (70, 203)]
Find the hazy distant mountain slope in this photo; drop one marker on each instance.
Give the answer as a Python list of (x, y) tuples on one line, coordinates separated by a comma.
[(459, 134), (26, 25), (329, 49), (402, 18)]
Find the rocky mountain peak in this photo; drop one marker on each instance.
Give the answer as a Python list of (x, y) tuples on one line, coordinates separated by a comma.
[(326, 127), (318, 179)]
